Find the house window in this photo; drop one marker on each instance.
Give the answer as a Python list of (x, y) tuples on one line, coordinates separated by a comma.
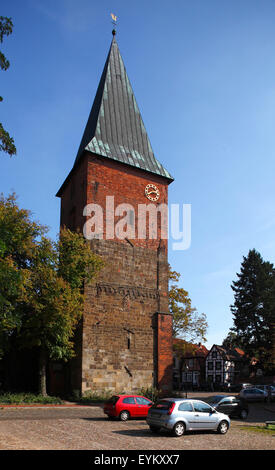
[(196, 377), (210, 365), (214, 354), (218, 365)]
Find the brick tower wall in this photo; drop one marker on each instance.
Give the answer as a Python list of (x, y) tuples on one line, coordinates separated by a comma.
[(125, 340), (164, 353), (95, 178), (120, 333)]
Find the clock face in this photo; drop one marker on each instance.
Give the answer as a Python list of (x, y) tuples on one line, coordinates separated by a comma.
[(152, 192)]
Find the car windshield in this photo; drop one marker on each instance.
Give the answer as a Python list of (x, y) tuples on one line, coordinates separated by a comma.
[(163, 405), (215, 400)]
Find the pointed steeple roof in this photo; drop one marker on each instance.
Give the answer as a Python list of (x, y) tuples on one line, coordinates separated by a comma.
[(115, 129)]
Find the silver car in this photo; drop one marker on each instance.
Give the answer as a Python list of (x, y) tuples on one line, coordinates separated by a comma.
[(270, 389), (179, 415), (254, 394)]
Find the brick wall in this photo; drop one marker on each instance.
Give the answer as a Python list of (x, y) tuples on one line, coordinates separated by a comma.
[(165, 353), (119, 333), (95, 178), (123, 344)]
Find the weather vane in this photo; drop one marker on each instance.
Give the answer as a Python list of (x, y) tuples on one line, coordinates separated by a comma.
[(114, 23)]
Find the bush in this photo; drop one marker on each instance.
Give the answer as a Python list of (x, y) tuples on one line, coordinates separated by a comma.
[(94, 397), (28, 398), (151, 393)]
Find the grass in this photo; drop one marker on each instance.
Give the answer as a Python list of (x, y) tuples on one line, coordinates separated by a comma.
[(262, 429), (27, 398)]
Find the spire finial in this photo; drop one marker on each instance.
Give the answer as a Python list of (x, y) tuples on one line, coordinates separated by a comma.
[(114, 18)]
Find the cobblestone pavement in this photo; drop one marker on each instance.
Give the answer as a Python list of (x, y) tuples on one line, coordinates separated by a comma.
[(86, 428)]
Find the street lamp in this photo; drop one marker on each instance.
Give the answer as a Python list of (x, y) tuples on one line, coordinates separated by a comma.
[(186, 369)]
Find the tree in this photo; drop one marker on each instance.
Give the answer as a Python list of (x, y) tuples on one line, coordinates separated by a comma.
[(55, 297), (187, 322), (232, 340), (6, 141), (254, 305), (44, 312), (11, 283), (18, 235)]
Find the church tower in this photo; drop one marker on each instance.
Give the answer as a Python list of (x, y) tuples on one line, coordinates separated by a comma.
[(117, 195)]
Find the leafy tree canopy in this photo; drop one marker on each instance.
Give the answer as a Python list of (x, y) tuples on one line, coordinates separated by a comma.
[(6, 141), (187, 322), (254, 305), (18, 235), (41, 285)]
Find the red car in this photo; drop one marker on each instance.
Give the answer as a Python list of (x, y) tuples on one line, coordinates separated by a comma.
[(127, 406)]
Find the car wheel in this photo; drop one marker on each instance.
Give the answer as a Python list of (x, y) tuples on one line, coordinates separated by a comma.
[(223, 427), (179, 429), (154, 429), (124, 415), (243, 414)]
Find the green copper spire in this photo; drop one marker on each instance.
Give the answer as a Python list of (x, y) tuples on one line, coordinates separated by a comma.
[(115, 128)]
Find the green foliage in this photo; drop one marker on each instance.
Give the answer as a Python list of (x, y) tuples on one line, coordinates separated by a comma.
[(187, 322), (77, 263), (6, 141), (259, 429), (54, 293), (232, 340), (184, 347), (254, 306), (151, 393), (95, 397), (18, 234), (11, 285), (41, 285), (27, 398), (6, 26)]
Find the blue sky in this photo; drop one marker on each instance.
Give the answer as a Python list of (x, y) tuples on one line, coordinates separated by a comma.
[(203, 75)]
